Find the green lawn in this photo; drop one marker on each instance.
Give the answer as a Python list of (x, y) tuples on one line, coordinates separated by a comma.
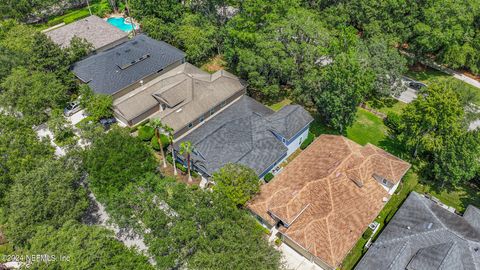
[(98, 7), (277, 106), (387, 105), (368, 128), (431, 76)]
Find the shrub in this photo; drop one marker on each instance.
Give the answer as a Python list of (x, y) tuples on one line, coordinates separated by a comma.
[(268, 177), (367, 234), (307, 141), (278, 242), (165, 142), (145, 133), (392, 121)]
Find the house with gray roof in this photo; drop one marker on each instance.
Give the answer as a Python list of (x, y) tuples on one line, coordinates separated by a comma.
[(95, 30), (182, 98), (249, 133), (423, 235), (125, 67)]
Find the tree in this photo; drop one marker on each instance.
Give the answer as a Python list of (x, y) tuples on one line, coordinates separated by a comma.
[(20, 150), (98, 106), (49, 57), (169, 11), (49, 194), (237, 182), (78, 48), (170, 131), (32, 93), (157, 125), (79, 246), (115, 159), (196, 35), (433, 128), (344, 86), (61, 130), (186, 150)]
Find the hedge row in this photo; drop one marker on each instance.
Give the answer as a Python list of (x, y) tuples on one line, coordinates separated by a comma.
[(307, 141)]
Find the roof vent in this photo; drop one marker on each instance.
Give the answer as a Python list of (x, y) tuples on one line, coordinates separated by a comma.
[(476, 249), (429, 226), (179, 110), (408, 228)]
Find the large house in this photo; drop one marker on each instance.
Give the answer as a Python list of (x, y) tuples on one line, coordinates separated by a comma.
[(182, 98), (325, 198), (125, 67), (249, 133), (423, 235), (93, 29)]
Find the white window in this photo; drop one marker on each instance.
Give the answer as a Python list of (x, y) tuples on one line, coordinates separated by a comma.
[(190, 125), (202, 119), (384, 181), (283, 140)]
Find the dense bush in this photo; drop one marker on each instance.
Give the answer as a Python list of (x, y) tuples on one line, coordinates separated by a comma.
[(367, 234), (116, 159), (145, 133), (237, 182), (268, 177), (163, 138), (392, 121), (307, 141)]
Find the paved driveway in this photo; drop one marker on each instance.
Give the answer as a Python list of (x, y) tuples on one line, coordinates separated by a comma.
[(294, 261), (408, 95)]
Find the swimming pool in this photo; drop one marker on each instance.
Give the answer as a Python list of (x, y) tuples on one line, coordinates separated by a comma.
[(120, 23)]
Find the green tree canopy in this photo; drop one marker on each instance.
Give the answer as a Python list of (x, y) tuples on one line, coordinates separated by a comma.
[(32, 93), (83, 247), (434, 129), (49, 194), (116, 159), (237, 182)]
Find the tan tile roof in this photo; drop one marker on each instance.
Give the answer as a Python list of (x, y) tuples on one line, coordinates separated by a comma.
[(327, 196)]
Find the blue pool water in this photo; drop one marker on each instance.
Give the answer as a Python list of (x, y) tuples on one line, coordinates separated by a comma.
[(120, 23)]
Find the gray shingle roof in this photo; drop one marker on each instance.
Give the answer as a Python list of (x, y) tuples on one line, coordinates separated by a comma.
[(238, 134), (423, 236), (112, 70), (289, 120), (95, 30)]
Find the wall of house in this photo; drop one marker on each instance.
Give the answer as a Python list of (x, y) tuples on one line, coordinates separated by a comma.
[(392, 190), (280, 160), (146, 79), (305, 253), (294, 143)]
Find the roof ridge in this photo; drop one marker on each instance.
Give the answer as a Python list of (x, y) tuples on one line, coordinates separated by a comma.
[(446, 255), (398, 254), (378, 242)]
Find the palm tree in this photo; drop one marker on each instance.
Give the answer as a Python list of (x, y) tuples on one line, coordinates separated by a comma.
[(157, 125), (186, 149), (169, 131)]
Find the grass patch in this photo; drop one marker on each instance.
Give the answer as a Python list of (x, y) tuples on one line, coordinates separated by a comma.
[(214, 64), (458, 197), (99, 8), (431, 76), (387, 105), (279, 105), (367, 128)]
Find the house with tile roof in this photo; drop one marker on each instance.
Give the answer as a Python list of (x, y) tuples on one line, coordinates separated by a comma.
[(182, 98), (249, 133), (424, 235), (95, 30), (123, 68), (325, 198)]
